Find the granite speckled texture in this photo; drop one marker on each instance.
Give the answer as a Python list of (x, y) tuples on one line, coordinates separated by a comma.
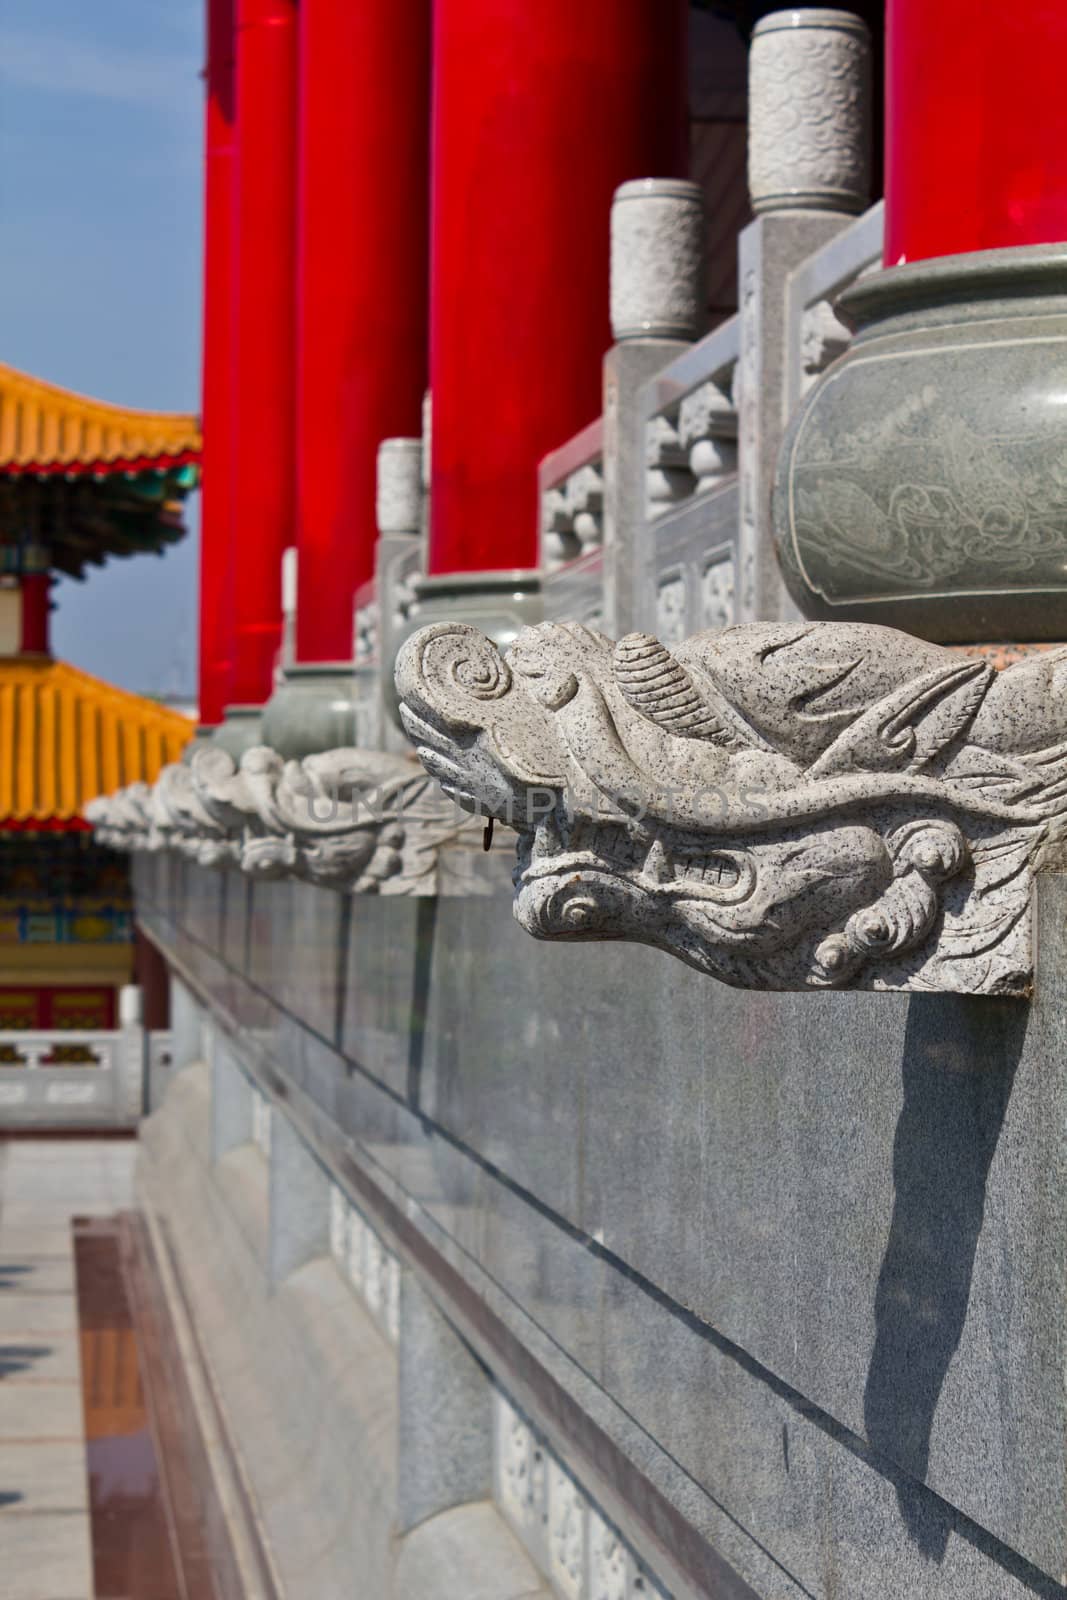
[(781, 805), (815, 1293)]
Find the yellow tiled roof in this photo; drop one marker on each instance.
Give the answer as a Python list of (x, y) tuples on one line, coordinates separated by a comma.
[(46, 429), (66, 737)]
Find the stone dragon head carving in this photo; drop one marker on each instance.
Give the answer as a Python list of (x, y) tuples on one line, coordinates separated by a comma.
[(782, 806), (346, 818)]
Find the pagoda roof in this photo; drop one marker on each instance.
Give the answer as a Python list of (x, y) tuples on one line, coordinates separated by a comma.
[(66, 737), (81, 480), (45, 429)]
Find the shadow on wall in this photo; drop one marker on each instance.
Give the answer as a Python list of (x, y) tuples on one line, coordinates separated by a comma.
[(960, 1057)]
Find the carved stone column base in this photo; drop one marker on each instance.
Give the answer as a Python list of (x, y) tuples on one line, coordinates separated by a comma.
[(923, 483), (501, 604), (239, 730), (203, 733), (312, 709)]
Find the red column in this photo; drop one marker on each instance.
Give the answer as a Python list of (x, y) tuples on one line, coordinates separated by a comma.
[(216, 500), (34, 587), (361, 299), (264, 333), (540, 111), (976, 126)]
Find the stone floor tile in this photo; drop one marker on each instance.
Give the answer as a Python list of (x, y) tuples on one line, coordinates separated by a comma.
[(40, 1411), (48, 1358), (49, 1476), (36, 1314), (46, 1557)]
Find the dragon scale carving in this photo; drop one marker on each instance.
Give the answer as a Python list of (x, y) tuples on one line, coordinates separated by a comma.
[(809, 805)]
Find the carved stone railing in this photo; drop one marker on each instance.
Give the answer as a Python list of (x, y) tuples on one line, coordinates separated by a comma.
[(571, 497), (563, 1532), (365, 1262), (691, 517), (691, 421), (32, 1051), (362, 820), (64, 1077), (814, 334), (570, 484), (783, 806), (366, 627)]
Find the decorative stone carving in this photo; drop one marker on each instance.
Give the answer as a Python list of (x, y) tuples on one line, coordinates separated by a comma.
[(572, 515), (783, 806), (809, 112), (691, 446), (657, 260), (717, 588), (707, 429), (565, 1536), (672, 600), (923, 481), (366, 1262), (823, 337), (347, 818)]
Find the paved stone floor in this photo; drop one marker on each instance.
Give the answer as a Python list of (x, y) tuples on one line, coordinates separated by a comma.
[(45, 1546)]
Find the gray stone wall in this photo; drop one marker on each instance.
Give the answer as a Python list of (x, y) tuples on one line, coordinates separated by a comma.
[(778, 1278)]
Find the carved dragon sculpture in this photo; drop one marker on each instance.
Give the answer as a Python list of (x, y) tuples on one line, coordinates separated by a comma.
[(346, 818), (781, 806)]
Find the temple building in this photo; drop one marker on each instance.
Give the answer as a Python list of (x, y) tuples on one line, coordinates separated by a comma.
[(80, 482)]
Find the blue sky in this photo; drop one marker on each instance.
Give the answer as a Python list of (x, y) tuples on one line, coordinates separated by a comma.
[(100, 196)]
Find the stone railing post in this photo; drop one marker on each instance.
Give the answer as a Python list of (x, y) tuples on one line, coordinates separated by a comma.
[(299, 1202), (445, 1414), (186, 1025), (231, 1102), (401, 515), (808, 172), (130, 1087), (657, 309)]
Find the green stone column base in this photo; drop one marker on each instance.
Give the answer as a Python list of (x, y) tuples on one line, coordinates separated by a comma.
[(312, 709)]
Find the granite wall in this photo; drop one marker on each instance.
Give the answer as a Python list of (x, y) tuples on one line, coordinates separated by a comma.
[(778, 1279)]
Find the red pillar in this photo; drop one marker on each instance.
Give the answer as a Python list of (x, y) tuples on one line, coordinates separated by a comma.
[(540, 111), (361, 298), (216, 500), (264, 334), (34, 587), (976, 126)]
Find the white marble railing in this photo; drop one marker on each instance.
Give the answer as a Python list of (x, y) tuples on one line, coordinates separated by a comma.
[(366, 1263), (691, 421), (31, 1051), (571, 487), (57, 1076), (567, 1539)]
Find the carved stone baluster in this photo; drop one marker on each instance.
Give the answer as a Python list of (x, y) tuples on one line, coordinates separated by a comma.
[(707, 432), (657, 308)]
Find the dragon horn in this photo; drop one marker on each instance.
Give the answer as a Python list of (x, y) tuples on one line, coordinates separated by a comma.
[(655, 684)]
